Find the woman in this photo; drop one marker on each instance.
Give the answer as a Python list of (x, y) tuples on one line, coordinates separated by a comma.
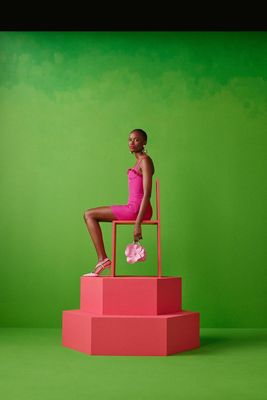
[(138, 207)]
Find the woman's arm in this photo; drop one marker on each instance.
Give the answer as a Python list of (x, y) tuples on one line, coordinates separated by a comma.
[(147, 169)]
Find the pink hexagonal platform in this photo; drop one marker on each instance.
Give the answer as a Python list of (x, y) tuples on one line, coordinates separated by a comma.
[(129, 315)]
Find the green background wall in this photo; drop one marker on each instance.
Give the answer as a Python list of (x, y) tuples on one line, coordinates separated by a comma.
[(67, 103)]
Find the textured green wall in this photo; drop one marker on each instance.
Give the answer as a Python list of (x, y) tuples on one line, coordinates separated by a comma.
[(67, 103)]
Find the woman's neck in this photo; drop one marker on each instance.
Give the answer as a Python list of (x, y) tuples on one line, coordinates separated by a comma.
[(140, 156)]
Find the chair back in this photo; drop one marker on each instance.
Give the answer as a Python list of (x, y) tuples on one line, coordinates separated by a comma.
[(157, 199)]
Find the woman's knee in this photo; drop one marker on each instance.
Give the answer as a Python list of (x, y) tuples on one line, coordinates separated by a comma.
[(88, 214)]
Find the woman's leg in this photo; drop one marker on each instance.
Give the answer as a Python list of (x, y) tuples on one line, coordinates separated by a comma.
[(92, 218)]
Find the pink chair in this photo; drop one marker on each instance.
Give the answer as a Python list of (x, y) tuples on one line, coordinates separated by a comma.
[(148, 222)]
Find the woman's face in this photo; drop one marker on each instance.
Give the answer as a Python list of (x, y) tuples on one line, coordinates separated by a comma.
[(135, 142)]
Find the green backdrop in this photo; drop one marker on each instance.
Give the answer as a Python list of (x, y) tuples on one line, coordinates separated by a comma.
[(67, 104)]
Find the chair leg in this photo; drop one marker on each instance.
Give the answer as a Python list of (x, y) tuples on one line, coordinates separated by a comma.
[(113, 261), (159, 247)]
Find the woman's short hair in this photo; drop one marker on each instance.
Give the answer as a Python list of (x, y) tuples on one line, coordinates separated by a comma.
[(141, 131)]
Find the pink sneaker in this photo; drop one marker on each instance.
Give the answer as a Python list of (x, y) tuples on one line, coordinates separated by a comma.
[(100, 266)]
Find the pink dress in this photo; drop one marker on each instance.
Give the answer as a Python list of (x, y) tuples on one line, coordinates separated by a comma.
[(136, 193)]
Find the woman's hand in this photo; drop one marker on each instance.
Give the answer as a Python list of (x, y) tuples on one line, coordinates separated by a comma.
[(137, 232)]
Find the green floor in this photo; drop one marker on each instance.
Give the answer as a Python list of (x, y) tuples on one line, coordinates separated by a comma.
[(231, 364)]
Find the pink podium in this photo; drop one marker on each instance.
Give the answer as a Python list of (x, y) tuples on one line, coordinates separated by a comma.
[(128, 315)]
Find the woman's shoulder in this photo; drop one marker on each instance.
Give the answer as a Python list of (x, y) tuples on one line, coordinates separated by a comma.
[(147, 157), (149, 160)]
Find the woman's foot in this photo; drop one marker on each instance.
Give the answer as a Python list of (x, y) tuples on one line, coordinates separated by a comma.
[(100, 266)]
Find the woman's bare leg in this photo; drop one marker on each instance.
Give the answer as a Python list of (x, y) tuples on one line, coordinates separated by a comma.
[(92, 218)]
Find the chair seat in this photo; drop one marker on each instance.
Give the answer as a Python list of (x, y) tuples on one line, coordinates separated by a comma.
[(132, 221)]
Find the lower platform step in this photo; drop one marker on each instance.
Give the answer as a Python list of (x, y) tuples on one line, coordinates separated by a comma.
[(136, 335)]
